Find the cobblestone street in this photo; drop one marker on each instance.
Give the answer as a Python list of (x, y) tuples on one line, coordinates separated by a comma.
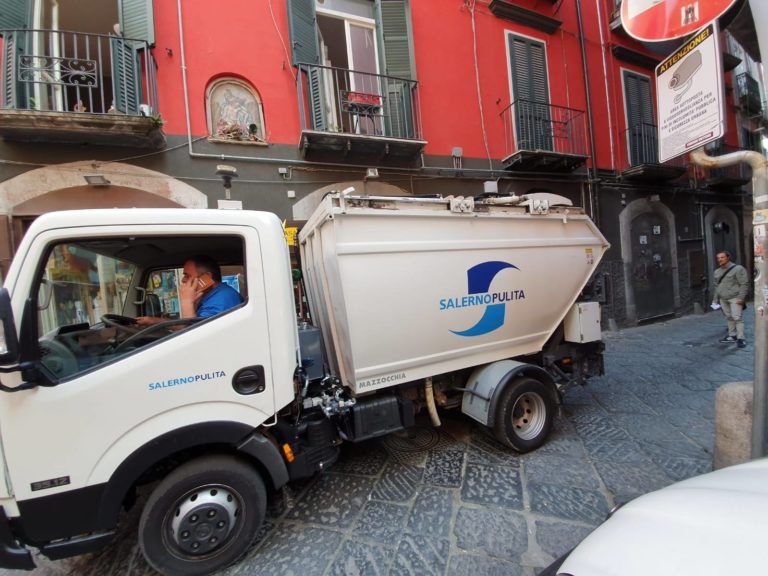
[(454, 502)]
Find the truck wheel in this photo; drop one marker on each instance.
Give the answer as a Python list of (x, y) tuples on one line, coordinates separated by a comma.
[(203, 516), (524, 414)]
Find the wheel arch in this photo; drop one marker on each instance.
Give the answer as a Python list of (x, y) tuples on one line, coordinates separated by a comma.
[(178, 446), (487, 383)]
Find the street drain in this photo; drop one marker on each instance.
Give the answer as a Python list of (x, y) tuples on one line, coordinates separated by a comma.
[(415, 439)]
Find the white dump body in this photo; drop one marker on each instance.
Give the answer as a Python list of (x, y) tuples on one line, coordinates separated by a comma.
[(405, 288)]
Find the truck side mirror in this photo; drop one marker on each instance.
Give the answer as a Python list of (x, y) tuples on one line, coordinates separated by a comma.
[(9, 342)]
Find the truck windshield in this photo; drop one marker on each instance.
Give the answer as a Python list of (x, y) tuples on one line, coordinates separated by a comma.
[(79, 285)]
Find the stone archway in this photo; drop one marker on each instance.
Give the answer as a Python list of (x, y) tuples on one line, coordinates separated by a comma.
[(63, 187), (632, 214)]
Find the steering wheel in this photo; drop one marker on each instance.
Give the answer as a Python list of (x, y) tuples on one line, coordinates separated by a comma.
[(124, 323), (144, 332)]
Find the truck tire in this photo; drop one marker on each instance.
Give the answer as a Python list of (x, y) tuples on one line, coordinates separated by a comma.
[(203, 516), (524, 414)]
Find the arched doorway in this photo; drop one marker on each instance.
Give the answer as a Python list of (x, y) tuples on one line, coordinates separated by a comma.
[(649, 252), (721, 234), (64, 187)]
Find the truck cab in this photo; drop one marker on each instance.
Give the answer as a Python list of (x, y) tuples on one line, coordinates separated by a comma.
[(94, 400)]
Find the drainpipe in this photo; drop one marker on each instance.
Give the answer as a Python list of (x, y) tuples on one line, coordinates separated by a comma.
[(594, 209), (759, 166), (603, 47)]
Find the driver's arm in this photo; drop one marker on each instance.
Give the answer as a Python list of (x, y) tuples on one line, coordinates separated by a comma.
[(148, 320)]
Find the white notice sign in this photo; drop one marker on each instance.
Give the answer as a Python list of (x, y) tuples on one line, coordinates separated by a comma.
[(689, 89)]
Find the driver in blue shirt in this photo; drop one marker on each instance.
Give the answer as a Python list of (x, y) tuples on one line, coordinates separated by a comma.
[(201, 292)]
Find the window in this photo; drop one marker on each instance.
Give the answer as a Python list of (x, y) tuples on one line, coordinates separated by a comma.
[(57, 59), (530, 93), (90, 291), (642, 138), (357, 58), (234, 112)]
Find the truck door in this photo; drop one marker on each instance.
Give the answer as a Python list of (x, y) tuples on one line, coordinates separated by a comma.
[(107, 388)]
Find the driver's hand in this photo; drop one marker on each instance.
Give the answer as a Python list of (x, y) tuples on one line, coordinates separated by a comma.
[(189, 291), (147, 320)]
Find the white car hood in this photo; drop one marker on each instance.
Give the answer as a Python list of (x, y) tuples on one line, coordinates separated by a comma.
[(711, 525)]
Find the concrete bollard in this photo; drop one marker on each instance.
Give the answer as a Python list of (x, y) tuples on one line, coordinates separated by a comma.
[(733, 424)]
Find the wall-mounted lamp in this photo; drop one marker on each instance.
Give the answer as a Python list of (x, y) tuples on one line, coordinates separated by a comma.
[(96, 180), (226, 173)]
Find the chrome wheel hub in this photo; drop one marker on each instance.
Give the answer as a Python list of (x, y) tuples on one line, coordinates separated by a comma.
[(203, 520)]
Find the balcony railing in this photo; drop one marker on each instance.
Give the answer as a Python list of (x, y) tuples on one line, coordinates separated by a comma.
[(56, 71), (341, 101), (748, 93), (642, 158), (543, 127)]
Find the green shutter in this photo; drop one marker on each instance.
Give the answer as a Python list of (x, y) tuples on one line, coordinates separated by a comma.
[(14, 14), (395, 46), (126, 79), (136, 20), (533, 124), (316, 98), (305, 48), (642, 137), (14, 92), (394, 30)]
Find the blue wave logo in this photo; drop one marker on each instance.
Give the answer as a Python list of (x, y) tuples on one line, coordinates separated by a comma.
[(479, 279)]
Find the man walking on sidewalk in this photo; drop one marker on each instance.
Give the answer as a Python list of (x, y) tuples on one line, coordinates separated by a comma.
[(731, 287)]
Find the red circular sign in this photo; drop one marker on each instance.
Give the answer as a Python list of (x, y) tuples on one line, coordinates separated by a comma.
[(660, 20)]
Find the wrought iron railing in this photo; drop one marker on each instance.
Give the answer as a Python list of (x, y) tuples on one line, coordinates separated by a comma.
[(748, 93), (530, 125), (53, 70), (643, 147), (344, 101)]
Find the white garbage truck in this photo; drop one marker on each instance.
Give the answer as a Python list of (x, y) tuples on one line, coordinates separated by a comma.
[(405, 304)]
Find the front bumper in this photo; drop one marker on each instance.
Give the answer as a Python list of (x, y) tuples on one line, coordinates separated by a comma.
[(12, 555)]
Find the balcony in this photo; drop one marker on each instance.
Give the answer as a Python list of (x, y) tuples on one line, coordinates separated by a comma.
[(642, 162), (71, 87), (748, 94), (358, 116), (728, 177), (541, 137)]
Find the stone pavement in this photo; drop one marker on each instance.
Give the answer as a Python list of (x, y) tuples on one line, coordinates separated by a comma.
[(454, 502)]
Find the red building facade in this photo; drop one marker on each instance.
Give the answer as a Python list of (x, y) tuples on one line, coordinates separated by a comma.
[(454, 97)]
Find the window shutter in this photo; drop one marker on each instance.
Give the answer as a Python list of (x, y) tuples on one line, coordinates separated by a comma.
[(394, 29), (305, 48), (642, 137), (530, 93), (125, 76), (395, 44), (14, 92), (316, 98), (136, 20), (14, 14)]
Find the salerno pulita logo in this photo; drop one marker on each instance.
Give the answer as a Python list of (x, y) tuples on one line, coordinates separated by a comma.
[(479, 279)]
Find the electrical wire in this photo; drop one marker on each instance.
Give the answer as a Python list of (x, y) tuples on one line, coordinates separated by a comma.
[(471, 5), (282, 41)]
